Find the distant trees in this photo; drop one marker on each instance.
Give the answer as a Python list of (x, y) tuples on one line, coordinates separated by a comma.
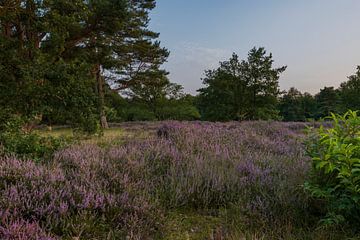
[(158, 99), (295, 106), (249, 89), (350, 92), (291, 107), (239, 90)]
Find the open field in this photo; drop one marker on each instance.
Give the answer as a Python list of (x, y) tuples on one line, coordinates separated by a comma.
[(167, 180)]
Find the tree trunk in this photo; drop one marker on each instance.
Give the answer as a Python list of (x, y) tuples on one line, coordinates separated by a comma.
[(100, 87)]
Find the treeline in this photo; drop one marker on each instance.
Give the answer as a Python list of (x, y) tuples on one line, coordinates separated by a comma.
[(85, 63), (249, 90), (236, 90), (297, 106)]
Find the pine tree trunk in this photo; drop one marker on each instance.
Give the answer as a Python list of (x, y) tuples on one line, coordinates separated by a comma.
[(100, 86)]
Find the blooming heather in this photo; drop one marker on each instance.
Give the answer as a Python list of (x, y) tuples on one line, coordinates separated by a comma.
[(124, 190)]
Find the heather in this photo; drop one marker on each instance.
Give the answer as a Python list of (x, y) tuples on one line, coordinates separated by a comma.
[(183, 180)]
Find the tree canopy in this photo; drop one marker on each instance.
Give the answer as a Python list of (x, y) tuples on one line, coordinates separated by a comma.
[(59, 55), (239, 90)]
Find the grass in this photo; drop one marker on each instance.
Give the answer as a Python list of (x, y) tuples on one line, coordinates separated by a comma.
[(191, 225), (109, 137), (68, 132)]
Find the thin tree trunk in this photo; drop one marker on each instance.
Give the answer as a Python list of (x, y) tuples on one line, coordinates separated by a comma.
[(100, 87)]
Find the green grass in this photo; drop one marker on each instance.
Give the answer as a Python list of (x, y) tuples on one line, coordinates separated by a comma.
[(68, 132), (59, 132), (109, 137), (192, 225)]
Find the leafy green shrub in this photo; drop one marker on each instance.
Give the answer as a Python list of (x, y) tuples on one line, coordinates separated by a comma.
[(112, 115), (181, 112), (15, 140), (87, 124), (139, 113), (335, 178)]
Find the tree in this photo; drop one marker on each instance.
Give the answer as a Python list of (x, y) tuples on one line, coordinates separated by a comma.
[(350, 92), (328, 101), (297, 106), (107, 40), (32, 36), (239, 90), (117, 41), (263, 82), (164, 99), (291, 106), (309, 106)]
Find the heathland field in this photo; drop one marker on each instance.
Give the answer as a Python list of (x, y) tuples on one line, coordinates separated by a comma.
[(167, 180)]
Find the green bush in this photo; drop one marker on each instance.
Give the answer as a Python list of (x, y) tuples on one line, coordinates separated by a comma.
[(139, 113), (179, 112), (335, 177), (15, 140)]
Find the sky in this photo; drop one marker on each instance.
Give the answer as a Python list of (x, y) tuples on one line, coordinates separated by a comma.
[(319, 40)]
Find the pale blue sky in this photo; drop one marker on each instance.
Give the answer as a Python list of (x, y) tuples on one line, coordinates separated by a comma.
[(319, 40)]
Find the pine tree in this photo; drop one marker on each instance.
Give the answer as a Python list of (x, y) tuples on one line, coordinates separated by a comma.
[(108, 40)]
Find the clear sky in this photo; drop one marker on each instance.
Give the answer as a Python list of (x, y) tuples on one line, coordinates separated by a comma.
[(319, 40)]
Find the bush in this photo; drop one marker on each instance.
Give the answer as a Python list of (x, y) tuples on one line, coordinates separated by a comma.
[(179, 112), (255, 167), (335, 175), (80, 194), (15, 140), (87, 124), (139, 113)]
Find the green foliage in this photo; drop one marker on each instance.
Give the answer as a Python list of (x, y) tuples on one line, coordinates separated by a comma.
[(87, 124), (153, 99), (328, 101), (139, 113), (53, 55), (297, 106), (240, 90), (336, 168), (15, 139), (349, 92)]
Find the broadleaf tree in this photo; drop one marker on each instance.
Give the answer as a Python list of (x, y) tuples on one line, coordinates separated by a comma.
[(240, 90)]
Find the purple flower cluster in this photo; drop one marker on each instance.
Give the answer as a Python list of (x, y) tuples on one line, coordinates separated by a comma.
[(214, 164), (79, 180), (257, 166)]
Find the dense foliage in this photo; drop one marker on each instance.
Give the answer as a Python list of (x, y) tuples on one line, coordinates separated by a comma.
[(16, 139), (349, 92), (240, 90), (58, 57), (336, 168), (297, 106)]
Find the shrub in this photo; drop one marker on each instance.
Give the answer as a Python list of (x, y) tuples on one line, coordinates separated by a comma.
[(335, 175), (87, 124), (178, 112), (16, 140), (139, 113), (79, 194), (255, 167)]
